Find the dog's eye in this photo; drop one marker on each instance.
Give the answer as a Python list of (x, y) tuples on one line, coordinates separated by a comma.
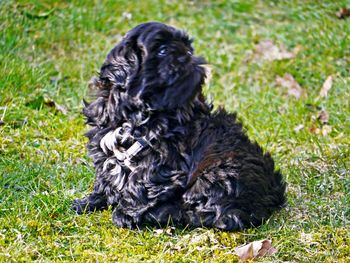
[(162, 51)]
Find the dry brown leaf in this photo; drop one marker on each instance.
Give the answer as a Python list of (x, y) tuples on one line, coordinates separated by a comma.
[(327, 85), (293, 88), (314, 130), (267, 50), (255, 249), (324, 130), (343, 13), (323, 116)]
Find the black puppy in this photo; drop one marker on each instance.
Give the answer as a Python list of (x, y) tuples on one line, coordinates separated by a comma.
[(159, 151)]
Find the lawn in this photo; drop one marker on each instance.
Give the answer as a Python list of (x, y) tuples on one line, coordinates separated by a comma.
[(49, 50)]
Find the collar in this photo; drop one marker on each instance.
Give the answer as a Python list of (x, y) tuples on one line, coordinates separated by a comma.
[(138, 146), (109, 143)]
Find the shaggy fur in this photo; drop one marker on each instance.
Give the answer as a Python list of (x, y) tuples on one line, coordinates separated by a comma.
[(193, 166)]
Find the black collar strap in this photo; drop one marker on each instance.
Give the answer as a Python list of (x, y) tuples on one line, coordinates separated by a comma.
[(134, 149)]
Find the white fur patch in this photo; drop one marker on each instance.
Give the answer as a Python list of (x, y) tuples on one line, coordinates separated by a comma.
[(109, 141)]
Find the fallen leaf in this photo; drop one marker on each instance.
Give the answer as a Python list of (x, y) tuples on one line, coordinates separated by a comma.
[(314, 130), (327, 85), (267, 50), (255, 249), (323, 116), (324, 130), (245, 252), (343, 13), (293, 88), (298, 128)]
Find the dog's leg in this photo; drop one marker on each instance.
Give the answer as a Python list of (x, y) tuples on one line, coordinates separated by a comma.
[(161, 215), (222, 218), (122, 220), (232, 220), (90, 203), (164, 214), (145, 200)]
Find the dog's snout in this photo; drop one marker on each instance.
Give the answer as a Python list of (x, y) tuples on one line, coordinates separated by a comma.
[(182, 59)]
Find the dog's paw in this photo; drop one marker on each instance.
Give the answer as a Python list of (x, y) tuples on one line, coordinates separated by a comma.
[(122, 220), (80, 206), (91, 203)]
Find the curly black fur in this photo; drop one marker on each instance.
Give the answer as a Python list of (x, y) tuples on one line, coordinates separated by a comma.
[(200, 169)]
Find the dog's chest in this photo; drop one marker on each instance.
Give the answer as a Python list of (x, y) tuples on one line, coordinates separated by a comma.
[(140, 152)]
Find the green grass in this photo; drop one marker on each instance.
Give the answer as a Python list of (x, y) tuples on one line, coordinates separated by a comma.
[(51, 49)]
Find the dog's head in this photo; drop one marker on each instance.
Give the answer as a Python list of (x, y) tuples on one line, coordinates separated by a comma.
[(155, 63)]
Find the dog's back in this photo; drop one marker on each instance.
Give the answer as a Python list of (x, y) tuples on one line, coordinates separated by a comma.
[(233, 184)]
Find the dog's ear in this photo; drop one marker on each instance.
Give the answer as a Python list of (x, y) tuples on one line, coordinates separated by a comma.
[(121, 63), (96, 112), (119, 67)]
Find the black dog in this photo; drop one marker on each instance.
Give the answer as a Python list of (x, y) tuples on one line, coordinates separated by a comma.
[(161, 155)]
